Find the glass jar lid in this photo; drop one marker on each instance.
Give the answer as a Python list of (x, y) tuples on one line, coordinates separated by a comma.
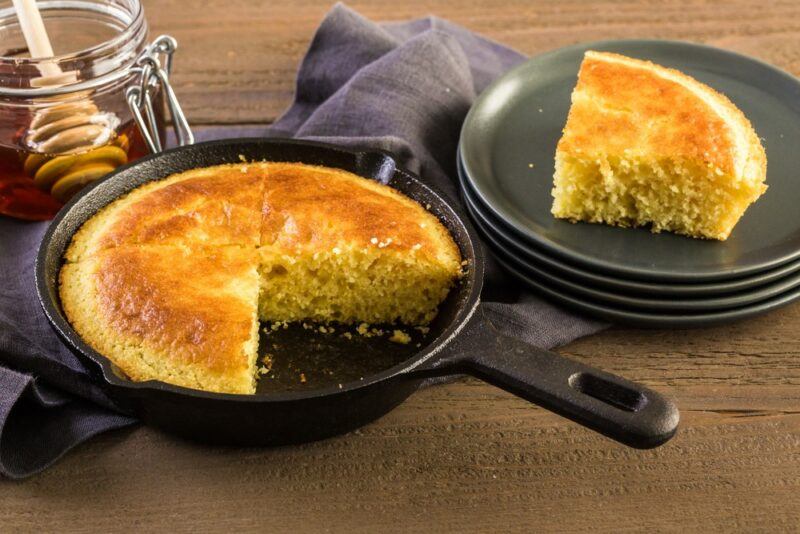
[(97, 42)]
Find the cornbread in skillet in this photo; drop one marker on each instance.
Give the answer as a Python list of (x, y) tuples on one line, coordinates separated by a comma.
[(169, 281), (648, 145)]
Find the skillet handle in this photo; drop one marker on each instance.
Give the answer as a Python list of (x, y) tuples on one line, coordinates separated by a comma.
[(613, 406)]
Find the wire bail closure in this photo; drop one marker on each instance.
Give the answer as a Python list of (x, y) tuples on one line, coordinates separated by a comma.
[(154, 67)]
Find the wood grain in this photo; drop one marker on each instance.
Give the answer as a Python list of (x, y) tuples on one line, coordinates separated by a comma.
[(251, 49), (465, 456)]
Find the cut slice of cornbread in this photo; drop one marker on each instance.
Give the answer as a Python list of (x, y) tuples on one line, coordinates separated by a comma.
[(187, 316), (647, 145), (338, 247), (209, 206)]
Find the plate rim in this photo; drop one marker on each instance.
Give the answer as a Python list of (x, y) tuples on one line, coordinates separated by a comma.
[(586, 261)]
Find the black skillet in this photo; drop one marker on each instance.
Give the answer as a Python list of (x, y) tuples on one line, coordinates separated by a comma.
[(461, 340)]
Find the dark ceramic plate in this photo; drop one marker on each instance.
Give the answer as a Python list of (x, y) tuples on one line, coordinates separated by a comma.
[(530, 254), (647, 319), (508, 145), (663, 305)]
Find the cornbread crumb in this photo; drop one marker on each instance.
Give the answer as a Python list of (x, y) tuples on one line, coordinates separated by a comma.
[(267, 364), (398, 336), (277, 325)]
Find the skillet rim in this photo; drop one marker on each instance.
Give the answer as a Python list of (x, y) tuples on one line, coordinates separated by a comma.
[(470, 248)]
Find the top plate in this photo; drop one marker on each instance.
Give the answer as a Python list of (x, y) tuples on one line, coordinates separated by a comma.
[(508, 145)]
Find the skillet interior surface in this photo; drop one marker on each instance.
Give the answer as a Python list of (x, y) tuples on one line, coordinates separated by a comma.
[(329, 362)]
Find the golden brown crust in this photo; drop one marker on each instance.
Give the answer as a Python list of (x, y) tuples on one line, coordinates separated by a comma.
[(179, 299), (307, 206), (623, 105), (210, 206)]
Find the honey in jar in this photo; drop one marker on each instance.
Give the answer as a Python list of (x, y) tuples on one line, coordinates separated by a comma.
[(34, 185), (59, 135)]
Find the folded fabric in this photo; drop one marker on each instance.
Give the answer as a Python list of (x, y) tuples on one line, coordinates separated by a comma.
[(400, 87)]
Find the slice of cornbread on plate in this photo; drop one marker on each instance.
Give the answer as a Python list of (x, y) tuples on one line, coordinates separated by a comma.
[(648, 145), (338, 247), (218, 205), (187, 316)]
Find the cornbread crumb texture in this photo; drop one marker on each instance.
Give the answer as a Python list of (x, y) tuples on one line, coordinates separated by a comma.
[(647, 145), (183, 305)]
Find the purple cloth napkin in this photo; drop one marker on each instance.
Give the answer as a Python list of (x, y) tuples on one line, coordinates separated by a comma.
[(400, 87)]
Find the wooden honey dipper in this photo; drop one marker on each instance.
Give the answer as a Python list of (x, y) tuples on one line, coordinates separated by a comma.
[(69, 141)]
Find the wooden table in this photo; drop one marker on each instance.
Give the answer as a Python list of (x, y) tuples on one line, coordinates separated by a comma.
[(466, 456)]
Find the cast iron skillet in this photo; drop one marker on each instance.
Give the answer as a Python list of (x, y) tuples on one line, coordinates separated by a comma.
[(461, 341)]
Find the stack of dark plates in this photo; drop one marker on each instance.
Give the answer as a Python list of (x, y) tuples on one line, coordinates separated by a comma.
[(505, 166)]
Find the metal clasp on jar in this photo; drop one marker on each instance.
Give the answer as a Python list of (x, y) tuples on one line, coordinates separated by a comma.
[(154, 67)]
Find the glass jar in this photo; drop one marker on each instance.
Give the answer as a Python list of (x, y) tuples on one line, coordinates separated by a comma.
[(68, 120)]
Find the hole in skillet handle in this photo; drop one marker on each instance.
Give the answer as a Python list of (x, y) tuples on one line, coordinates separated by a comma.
[(606, 391)]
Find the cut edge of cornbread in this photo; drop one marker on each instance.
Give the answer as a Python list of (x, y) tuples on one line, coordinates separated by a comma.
[(358, 274), (692, 196), (629, 193), (352, 285)]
